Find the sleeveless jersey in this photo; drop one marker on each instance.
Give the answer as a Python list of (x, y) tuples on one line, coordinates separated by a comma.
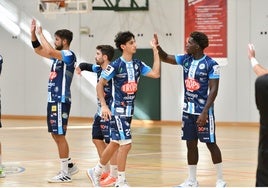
[(197, 74), (125, 76), (60, 78)]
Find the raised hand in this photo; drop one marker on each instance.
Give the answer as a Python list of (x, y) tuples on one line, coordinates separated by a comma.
[(251, 51), (33, 26)]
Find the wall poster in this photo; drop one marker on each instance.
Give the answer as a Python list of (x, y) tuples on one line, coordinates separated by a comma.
[(210, 17)]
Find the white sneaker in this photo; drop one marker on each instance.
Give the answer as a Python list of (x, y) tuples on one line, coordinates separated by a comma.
[(72, 169), (61, 178), (121, 184), (220, 183), (189, 183), (93, 177)]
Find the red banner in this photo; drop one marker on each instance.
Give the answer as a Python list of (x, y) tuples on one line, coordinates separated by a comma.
[(209, 17)]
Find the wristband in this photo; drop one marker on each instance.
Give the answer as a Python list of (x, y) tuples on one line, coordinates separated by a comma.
[(35, 44), (254, 62)]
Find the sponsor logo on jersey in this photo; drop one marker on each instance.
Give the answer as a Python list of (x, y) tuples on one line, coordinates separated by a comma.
[(130, 87), (129, 97), (191, 95), (64, 115), (202, 66), (109, 69), (56, 89), (191, 84), (52, 75), (54, 108), (202, 129), (52, 122), (216, 69), (51, 84), (103, 126), (119, 110)]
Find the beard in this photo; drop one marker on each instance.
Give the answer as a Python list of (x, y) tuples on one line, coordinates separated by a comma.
[(60, 47), (99, 62)]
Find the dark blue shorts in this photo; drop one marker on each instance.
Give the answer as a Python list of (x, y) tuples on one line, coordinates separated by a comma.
[(57, 117), (100, 129), (120, 128), (191, 131)]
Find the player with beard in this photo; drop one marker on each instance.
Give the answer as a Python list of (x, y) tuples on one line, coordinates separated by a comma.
[(100, 127), (59, 93)]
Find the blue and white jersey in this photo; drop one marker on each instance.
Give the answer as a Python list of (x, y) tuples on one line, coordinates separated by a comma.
[(60, 78), (125, 76), (107, 89), (197, 74)]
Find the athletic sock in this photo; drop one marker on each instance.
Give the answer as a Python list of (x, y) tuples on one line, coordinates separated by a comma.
[(121, 176), (218, 167), (113, 171), (64, 165), (99, 168), (192, 172)]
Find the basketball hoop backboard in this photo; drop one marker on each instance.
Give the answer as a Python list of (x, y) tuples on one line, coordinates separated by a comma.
[(64, 6)]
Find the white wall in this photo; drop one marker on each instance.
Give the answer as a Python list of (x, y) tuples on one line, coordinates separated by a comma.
[(24, 77)]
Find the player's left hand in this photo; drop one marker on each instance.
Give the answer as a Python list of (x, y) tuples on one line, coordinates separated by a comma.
[(202, 120)]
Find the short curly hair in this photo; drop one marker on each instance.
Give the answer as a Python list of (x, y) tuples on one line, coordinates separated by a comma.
[(200, 38), (123, 38)]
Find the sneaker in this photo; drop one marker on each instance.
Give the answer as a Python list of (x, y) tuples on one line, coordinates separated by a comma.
[(93, 177), (189, 183), (108, 182), (104, 175), (2, 172), (61, 178), (72, 169), (121, 184), (220, 183)]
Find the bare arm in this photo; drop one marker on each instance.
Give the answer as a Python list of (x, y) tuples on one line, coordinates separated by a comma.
[(105, 111), (155, 73), (47, 49), (257, 68), (163, 55), (44, 49), (213, 91)]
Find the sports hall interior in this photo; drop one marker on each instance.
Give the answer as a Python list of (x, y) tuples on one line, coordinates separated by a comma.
[(158, 155)]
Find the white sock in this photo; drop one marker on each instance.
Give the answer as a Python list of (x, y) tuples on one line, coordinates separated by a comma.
[(192, 172), (113, 171), (99, 169), (218, 167), (106, 168), (64, 165), (121, 176)]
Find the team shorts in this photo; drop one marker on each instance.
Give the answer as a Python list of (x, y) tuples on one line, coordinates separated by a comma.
[(101, 129), (120, 129), (57, 117), (191, 131)]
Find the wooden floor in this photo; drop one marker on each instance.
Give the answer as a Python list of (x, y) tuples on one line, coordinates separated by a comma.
[(157, 158)]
